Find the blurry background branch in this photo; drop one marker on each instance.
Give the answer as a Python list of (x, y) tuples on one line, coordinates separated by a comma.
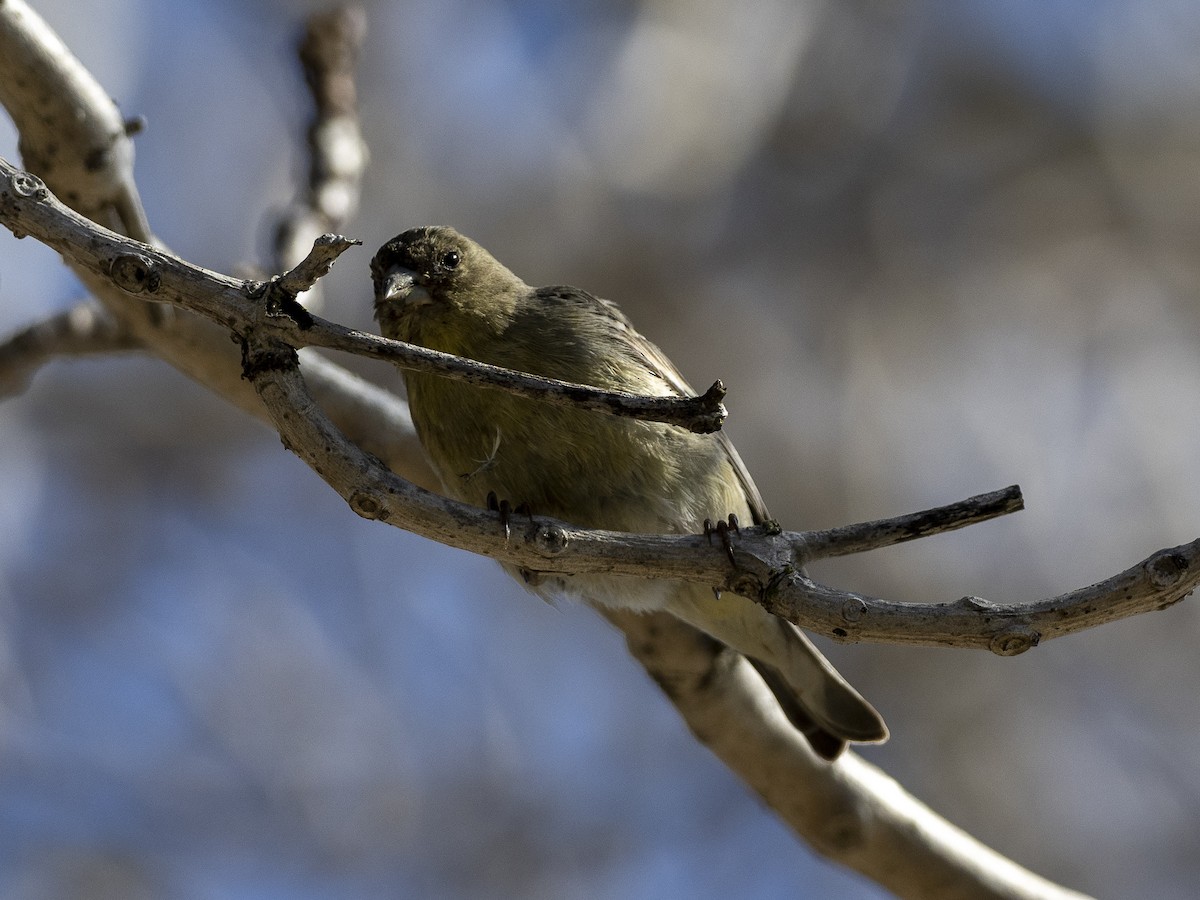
[(337, 154), (850, 812), (82, 330), (947, 237)]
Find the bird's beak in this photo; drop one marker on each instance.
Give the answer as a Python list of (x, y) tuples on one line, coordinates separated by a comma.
[(397, 289), (395, 286)]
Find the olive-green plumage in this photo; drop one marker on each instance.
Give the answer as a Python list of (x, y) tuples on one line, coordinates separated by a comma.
[(436, 288)]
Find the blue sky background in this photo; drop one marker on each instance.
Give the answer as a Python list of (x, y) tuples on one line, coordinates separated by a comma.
[(932, 249)]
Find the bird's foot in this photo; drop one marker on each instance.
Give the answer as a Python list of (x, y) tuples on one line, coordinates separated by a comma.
[(722, 528)]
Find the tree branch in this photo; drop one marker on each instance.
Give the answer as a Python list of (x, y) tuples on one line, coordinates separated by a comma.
[(887, 532), (28, 207), (702, 414), (764, 559)]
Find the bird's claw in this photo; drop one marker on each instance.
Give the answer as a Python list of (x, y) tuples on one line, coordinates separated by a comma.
[(503, 507), (506, 509), (722, 528)]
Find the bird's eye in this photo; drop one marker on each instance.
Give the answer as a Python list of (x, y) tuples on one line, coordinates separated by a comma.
[(450, 259)]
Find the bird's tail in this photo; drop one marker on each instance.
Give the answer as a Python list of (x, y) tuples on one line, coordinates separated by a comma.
[(816, 699)]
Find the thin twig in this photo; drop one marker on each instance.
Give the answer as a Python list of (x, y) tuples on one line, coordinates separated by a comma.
[(888, 532), (316, 264), (702, 414)]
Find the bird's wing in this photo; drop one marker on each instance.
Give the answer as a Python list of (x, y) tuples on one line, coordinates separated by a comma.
[(647, 354)]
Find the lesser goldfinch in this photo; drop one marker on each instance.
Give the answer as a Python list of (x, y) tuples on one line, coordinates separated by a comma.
[(436, 288)]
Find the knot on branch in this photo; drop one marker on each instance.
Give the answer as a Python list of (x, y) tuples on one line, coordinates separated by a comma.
[(1165, 569), (746, 584), (550, 540), (135, 273), (854, 609), (28, 187), (1014, 640), (367, 506), (779, 580)]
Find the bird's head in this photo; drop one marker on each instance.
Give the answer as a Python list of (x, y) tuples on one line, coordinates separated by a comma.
[(435, 273)]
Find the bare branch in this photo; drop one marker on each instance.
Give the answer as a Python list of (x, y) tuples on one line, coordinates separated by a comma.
[(849, 810), (1007, 629), (887, 532), (703, 414), (82, 330), (28, 207)]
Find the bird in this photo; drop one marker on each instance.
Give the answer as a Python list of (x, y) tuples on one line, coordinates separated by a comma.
[(436, 288)]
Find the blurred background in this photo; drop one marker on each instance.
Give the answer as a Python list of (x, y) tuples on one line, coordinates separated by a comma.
[(931, 248)]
